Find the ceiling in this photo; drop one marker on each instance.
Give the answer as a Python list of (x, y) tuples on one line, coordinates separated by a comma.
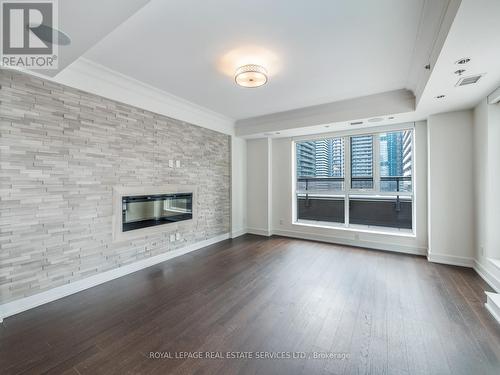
[(469, 28), (75, 18), (331, 62), (475, 33), (316, 52)]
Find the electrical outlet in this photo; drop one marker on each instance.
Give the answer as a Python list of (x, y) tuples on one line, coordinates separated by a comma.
[(356, 237), (177, 236), (481, 250), (172, 238), (281, 221)]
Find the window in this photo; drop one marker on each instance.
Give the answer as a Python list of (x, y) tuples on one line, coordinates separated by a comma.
[(373, 186), (320, 180), (362, 162), (395, 161)]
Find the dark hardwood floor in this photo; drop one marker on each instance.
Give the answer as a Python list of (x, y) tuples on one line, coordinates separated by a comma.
[(377, 312)]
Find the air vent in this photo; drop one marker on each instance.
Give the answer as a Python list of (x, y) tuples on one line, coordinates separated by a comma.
[(357, 123), (468, 80)]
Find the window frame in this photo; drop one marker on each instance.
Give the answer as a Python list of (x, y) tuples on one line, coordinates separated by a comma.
[(348, 192)]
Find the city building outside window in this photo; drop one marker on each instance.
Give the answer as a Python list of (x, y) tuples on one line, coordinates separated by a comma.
[(356, 181)]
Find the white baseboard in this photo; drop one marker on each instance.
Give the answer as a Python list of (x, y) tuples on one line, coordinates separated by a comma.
[(492, 312), (493, 305), (487, 276), (238, 232), (260, 232), (414, 250), (452, 260), (481, 270), (495, 262), (23, 304)]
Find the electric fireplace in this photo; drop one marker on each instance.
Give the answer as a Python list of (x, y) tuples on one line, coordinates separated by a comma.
[(141, 211)]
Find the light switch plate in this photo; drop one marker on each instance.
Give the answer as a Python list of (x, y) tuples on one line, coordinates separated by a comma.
[(177, 163), (171, 163), (172, 237), (177, 236)]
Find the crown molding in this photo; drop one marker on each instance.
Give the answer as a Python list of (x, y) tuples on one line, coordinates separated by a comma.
[(86, 75)]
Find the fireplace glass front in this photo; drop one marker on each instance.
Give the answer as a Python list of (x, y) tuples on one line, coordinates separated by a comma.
[(150, 210)]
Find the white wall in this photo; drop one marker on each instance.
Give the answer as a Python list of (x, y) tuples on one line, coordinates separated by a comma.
[(480, 156), (493, 192), (457, 193), (282, 205), (486, 150), (238, 186), (450, 188), (269, 181), (259, 156)]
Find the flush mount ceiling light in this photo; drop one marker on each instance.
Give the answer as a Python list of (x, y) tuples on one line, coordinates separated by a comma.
[(250, 75)]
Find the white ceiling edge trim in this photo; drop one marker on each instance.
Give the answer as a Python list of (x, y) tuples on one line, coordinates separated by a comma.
[(358, 131), (382, 104), (447, 17), (86, 75)]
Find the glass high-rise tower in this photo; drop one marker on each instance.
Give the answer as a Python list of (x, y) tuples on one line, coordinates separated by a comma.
[(322, 158), (325, 158), (306, 159)]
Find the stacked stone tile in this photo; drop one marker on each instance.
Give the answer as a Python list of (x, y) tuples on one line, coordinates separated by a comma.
[(61, 152)]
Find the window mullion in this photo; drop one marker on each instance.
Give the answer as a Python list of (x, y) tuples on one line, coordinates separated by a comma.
[(347, 178), (376, 163)]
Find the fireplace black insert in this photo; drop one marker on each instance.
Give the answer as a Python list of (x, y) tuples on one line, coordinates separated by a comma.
[(141, 211)]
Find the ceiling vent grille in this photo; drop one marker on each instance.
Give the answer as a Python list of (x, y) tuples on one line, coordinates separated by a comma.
[(468, 80), (357, 123)]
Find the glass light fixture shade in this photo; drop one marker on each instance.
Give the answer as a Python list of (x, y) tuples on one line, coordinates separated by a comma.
[(250, 76)]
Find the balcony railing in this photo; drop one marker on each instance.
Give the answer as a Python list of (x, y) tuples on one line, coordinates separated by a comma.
[(387, 183), (320, 208), (362, 182), (397, 181), (392, 212), (323, 199), (320, 183)]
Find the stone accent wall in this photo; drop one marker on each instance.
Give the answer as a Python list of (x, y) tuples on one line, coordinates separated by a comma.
[(61, 152)]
